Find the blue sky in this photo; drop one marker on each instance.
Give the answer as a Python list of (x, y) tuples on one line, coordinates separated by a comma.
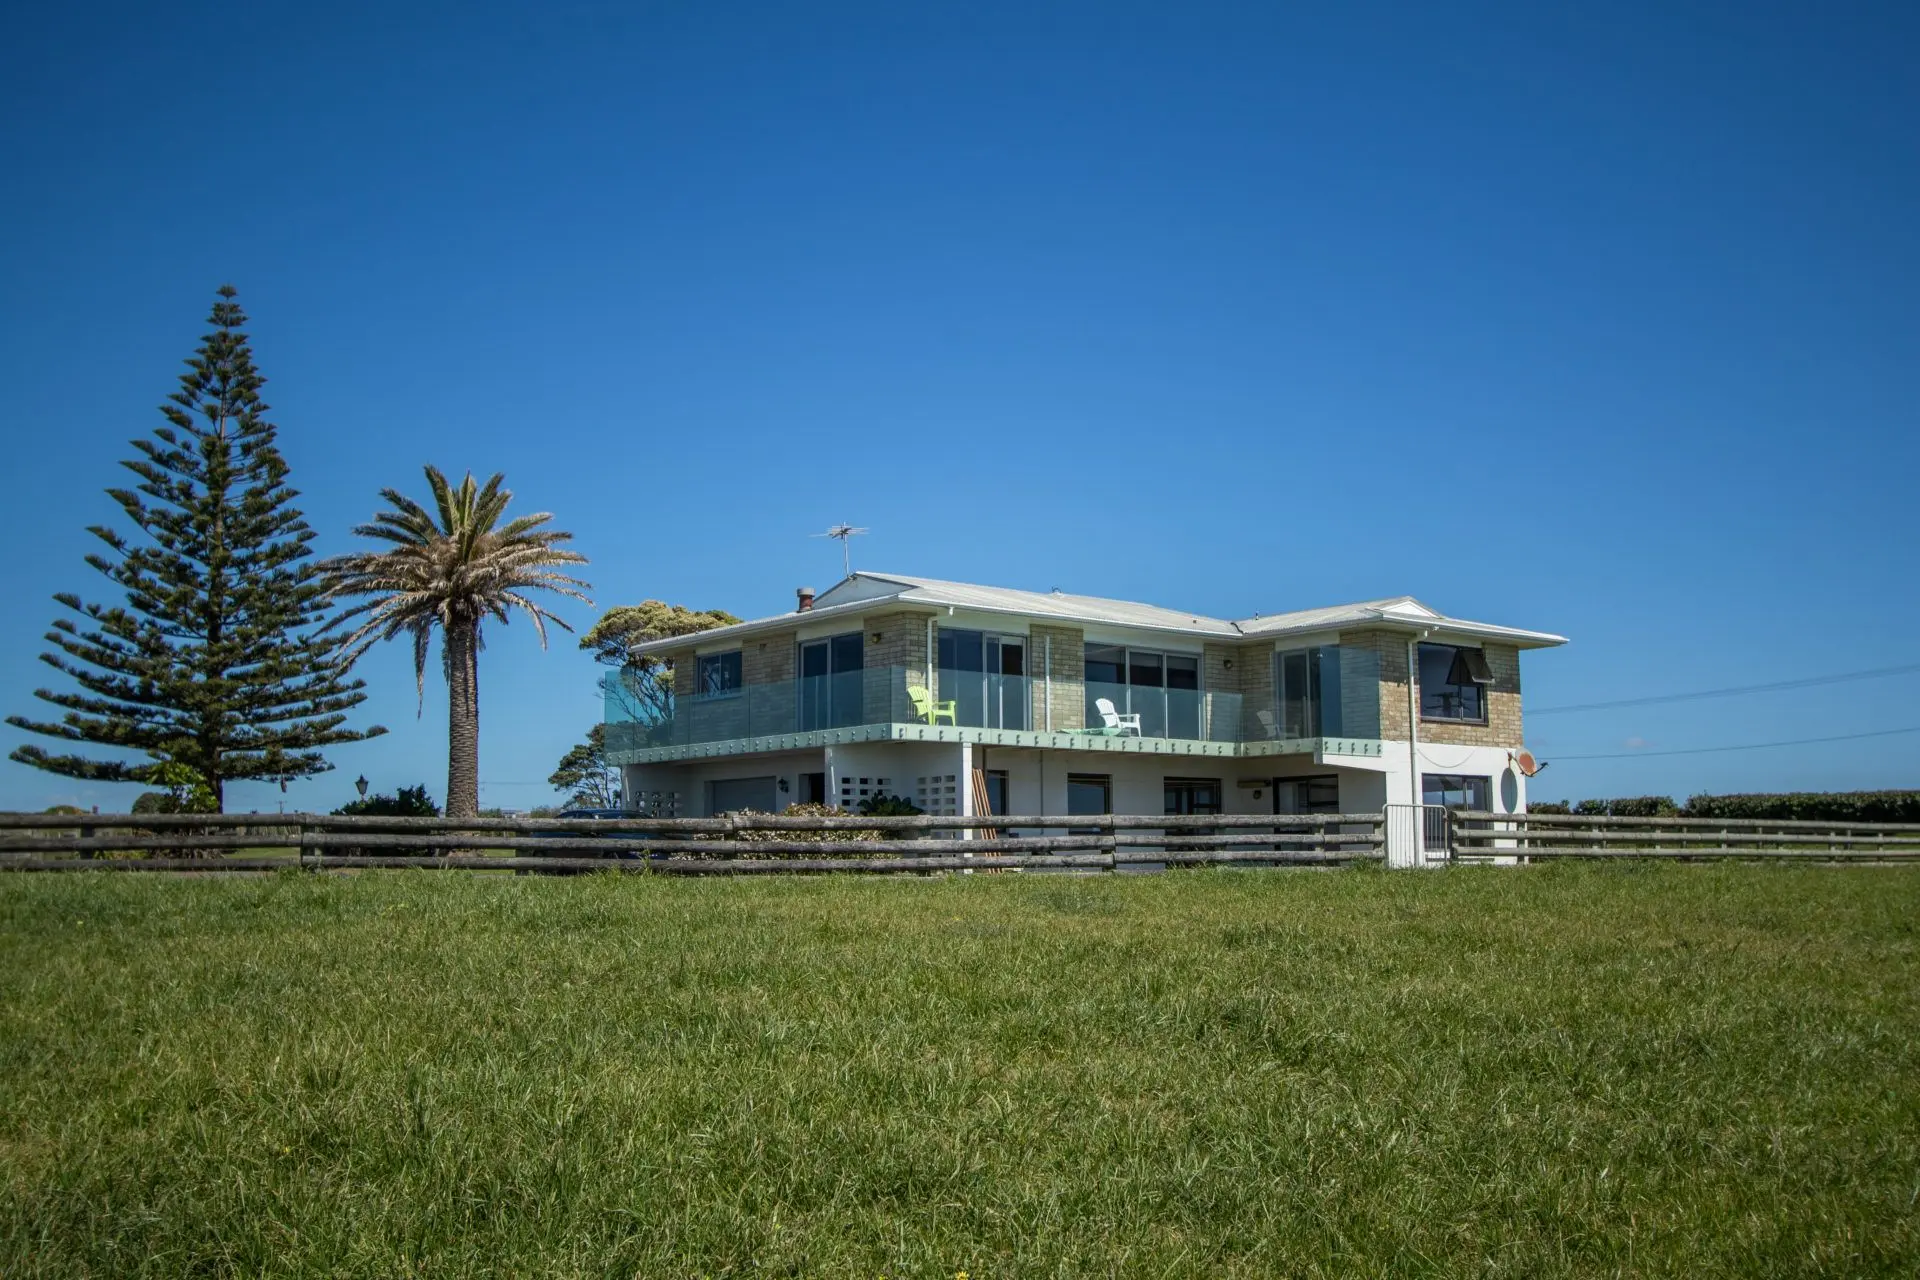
[(1606, 323)]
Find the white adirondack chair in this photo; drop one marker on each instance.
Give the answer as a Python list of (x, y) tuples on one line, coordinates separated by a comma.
[(1117, 723)]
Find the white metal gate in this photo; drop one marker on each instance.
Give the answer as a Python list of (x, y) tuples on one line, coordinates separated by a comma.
[(1417, 835)]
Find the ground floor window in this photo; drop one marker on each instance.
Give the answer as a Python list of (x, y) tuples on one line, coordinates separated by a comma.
[(1089, 793), (1193, 795), (1456, 791), (1318, 794), (1450, 791)]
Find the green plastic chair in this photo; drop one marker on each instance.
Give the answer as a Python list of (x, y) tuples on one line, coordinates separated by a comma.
[(925, 708)]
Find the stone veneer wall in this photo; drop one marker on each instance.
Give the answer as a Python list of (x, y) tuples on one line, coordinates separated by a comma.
[(1069, 675)]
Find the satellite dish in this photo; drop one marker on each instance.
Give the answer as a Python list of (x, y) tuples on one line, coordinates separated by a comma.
[(1524, 761)]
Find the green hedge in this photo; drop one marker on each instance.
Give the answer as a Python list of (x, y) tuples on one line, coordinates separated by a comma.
[(1812, 806), (1807, 806), (1630, 807)]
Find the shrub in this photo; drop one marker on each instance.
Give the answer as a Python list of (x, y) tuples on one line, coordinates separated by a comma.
[(408, 802), (811, 837), (1548, 806), (889, 807)]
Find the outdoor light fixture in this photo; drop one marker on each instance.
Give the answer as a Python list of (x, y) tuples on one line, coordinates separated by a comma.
[(360, 785), (783, 785)]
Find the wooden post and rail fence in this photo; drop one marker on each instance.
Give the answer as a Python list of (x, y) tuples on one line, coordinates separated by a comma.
[(753, 843), (732, 844)]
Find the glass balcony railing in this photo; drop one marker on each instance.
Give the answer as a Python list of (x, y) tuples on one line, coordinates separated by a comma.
[(1344, 703), (1329, 692), (983, 700), (877, 695), (1163, 713)]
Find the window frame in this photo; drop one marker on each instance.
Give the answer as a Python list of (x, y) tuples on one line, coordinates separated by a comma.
[(1102, 780), (1444, 778), (1188, 785), (739, 671), (1482, 689)]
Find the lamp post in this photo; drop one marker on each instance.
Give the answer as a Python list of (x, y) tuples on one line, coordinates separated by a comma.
[(360, 785)]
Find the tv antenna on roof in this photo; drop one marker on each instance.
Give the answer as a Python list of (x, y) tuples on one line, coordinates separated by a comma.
[(843, 532)]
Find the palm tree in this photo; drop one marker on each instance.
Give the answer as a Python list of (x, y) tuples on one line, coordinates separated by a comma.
[(453, 573)]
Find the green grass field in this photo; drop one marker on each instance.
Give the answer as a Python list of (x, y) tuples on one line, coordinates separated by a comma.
[(1553, 1071)]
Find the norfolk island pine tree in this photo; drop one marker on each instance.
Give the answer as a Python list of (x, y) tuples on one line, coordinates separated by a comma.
[(218, 660)]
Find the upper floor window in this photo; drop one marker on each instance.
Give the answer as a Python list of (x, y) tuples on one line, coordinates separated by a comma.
[(1453, 683), (717, 672)]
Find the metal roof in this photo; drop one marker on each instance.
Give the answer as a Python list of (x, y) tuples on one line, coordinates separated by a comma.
[(861, 591)]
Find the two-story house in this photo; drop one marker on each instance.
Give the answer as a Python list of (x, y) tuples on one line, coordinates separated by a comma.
[(968, 699)]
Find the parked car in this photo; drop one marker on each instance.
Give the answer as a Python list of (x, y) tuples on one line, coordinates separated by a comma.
[(610, 815)]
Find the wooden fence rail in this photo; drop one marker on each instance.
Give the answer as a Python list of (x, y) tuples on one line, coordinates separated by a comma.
[(734, 844), (1480, 836)]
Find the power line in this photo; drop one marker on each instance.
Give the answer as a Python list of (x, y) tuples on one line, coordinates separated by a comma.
[(1746, 746), (1806, 682)]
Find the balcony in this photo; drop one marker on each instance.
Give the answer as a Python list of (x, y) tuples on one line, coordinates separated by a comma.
[(891, 703)]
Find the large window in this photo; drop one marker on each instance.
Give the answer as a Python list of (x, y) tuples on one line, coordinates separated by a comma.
[(1163, 689), (717, 672), (1193, 795), (1088, 794), (1455, 791), (1450, 791), (1306, 685), (985, 677), (831, 686), (1317, 794), (1453, 683)]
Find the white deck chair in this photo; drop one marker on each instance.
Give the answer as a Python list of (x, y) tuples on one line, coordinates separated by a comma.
[(1117, 723)]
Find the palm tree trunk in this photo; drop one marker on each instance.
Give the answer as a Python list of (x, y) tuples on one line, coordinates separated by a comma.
[(463, 723)]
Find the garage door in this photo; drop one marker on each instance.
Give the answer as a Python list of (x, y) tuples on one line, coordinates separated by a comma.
[(728, 795)]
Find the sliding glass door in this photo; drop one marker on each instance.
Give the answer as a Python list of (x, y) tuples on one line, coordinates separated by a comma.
[(985, 677), (1163, 689), (830, 682)]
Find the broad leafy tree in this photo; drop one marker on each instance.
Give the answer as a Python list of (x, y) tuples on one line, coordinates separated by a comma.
[(449, 569), (216, 660), (641, 688), (586, 776)]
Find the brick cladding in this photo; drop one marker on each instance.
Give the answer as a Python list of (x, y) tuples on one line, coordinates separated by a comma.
[(1069, 675), (1503, 696)]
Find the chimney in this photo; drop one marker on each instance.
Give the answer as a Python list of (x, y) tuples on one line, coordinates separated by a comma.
[(806, 599)]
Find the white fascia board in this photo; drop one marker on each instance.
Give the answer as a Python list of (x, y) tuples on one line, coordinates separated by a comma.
[(1442, 629), (728, 637), (1064, 618)]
